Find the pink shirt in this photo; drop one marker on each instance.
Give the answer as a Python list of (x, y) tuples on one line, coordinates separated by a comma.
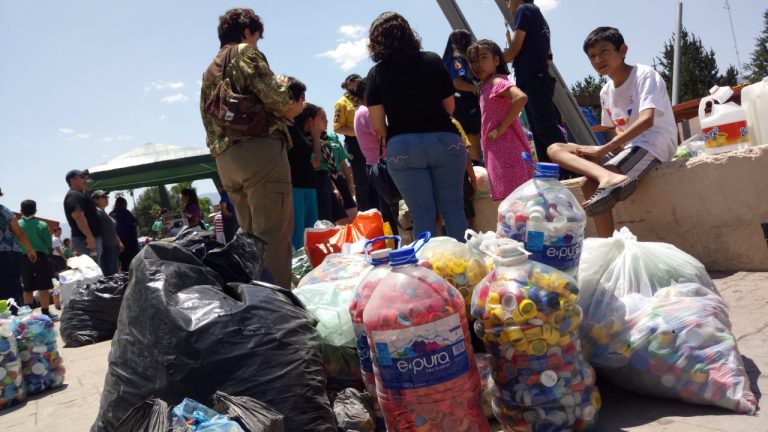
[(506, 169), (366, 137)]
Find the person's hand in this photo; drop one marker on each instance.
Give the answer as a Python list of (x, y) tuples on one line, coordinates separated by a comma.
[(499, 131), (316, 128), (90, 242), (315, 163), (592, 153), (32, 256)]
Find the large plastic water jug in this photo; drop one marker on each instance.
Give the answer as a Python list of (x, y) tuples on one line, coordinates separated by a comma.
[(754, 99), (725, 127)]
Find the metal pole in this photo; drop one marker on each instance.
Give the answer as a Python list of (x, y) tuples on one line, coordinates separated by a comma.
[(676, 61)]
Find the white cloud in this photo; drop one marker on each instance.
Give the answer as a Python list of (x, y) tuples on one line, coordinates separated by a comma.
[(117, 138), (72, 134), (547, 5), (162, 85), (352, 32), (162, 117), (348, 54), (177, 98)]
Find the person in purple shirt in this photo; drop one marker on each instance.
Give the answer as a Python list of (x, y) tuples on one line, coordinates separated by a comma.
[(125, 225), (191, 213)]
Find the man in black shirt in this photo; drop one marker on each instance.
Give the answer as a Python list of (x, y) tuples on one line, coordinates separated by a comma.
[(82, 216), (530, 53)]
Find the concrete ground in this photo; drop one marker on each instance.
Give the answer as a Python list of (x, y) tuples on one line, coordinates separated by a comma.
[(73, 407)]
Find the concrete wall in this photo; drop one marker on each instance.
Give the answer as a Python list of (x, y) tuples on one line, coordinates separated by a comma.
[(710, 206)]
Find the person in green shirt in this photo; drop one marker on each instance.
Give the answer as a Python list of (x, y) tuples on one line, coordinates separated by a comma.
[(68, 248), (37, 275)]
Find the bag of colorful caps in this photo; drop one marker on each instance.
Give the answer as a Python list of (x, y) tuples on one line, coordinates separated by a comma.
[(416, 325), (655, 324), (529, 320), (13, 390), (42, 366), (455, 262)]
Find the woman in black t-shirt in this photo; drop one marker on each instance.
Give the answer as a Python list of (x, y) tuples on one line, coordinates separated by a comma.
[(410, 99)]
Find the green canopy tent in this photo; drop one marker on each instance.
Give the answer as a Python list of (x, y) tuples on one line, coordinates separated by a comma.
[(153, 165)]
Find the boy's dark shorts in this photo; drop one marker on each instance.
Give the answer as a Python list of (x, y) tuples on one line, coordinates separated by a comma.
[(37, 276), (633, 161), (467, 112), (346, 194)]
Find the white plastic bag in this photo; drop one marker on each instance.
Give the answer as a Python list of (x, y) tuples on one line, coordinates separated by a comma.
[(682, 347), (83, 271), (655, 324), (327, 292)]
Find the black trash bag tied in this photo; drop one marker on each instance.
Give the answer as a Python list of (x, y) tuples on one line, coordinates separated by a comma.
[(91, 314), (183, 333)]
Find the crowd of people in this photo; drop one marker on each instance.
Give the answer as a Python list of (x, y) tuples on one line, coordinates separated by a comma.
[(413, 128)]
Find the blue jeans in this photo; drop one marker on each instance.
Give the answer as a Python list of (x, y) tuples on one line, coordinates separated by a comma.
[(109, 259), (304, 214), (428, 168), (79, 245)]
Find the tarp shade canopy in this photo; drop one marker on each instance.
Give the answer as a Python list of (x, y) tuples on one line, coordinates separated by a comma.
[(153, 165)]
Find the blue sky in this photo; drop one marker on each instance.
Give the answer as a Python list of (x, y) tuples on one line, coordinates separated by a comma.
[(85, 81)]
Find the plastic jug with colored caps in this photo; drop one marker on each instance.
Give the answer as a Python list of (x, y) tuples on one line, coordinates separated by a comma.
[(725, 127), (380, 261), (13, 389), (529, 320), (426, 376), (544, 215)]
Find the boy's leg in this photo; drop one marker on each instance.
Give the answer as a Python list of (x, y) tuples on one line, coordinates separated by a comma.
[(603, 221), (565, 156)]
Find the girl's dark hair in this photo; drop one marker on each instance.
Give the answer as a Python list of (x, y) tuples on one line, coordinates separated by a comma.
[(296, 88), (233, 23), (191, 194), (607, 34), (493, 47), (458, 41), (120, 203), (310, 111), (28, 208), (392, 38)]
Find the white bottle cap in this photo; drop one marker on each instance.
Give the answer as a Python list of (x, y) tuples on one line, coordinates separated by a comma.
[(549, 378)]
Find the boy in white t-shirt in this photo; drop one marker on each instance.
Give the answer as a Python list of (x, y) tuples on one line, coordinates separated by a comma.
[(635, 102)]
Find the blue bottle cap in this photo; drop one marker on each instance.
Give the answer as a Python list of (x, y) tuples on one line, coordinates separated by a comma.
[(546, 170)]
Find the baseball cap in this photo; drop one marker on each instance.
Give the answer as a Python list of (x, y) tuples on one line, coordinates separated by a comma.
[(74, 173), (99, 193)]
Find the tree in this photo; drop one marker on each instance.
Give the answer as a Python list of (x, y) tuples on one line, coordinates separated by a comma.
[(148, 207), (698, 67), (589, 86), (758, 61), (730, 77)]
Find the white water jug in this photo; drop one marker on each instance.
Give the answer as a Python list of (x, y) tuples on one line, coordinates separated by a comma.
[(725, 127), (754, 99)]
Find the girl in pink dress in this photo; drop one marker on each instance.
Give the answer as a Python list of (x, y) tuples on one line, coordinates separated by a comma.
[(503, 139)]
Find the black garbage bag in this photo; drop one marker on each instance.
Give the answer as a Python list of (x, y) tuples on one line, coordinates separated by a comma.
[(252, 415), (354, 412), (181, 333), (91, 314), (240, 260), (149, 416), (196, 244)]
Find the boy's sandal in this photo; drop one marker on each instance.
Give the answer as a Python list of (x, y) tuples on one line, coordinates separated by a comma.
[(604, 199)]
